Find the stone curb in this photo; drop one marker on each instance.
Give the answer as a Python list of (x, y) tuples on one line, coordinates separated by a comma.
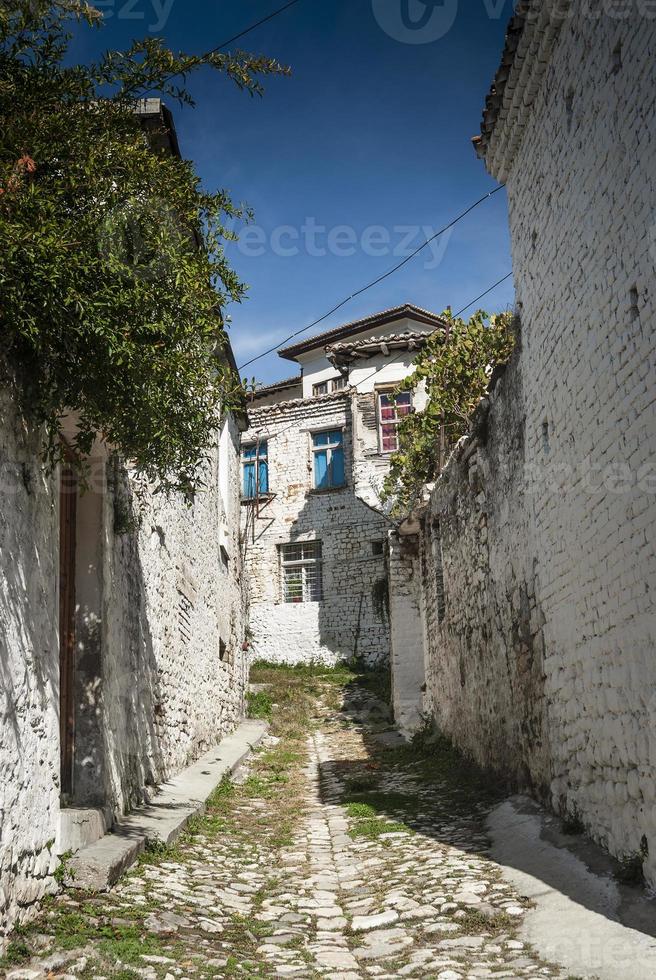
[(100, 865)]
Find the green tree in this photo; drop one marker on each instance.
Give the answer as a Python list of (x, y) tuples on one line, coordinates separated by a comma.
[(456, 373), (113, 277)]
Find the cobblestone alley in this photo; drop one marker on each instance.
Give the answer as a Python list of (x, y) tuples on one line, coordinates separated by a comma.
[(338, 852)]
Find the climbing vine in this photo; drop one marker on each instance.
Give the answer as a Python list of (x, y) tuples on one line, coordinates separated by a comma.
[(113, 276), (456, 374)]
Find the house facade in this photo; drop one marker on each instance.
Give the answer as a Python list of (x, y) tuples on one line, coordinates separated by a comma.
[(122, 625), (313, 462), (533, 563)]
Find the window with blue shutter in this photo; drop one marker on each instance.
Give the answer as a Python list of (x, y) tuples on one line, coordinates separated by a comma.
[(255, 470), (328, 452)]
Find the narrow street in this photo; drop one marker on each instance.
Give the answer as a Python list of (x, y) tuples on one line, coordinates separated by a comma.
[(337, 852)]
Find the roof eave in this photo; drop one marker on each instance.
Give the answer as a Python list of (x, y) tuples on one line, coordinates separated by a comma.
[(530, 39), (366, 323)]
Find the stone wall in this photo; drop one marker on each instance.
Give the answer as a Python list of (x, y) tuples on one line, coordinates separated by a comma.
[(160, 670), (350, 622), (175, 626), (481, 595), (29, 668), (407, 631), (541, 654)]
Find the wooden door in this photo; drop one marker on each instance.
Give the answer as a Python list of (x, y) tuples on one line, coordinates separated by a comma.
[(67, 536)]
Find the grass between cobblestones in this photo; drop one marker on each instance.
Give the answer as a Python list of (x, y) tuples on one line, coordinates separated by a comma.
[(106, 939), (392, 795)]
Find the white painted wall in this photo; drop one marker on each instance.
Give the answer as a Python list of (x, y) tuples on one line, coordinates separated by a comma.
[(150, 699), (348, 623), (316, 366), (544, 664)]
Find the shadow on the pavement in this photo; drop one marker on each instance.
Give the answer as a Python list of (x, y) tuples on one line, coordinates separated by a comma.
[(433, 790)]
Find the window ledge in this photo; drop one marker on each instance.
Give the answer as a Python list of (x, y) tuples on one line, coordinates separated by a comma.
[(252, 500), (315, 491)]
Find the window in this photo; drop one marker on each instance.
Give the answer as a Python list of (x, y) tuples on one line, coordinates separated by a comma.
[(391, 409), (333, 384), (328, 452), (255, 470), (377, 548), (301, 571)]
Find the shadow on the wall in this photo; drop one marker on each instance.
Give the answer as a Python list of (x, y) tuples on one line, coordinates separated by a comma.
[(133, 704), (353, 620), (431, 789), (29, 673)]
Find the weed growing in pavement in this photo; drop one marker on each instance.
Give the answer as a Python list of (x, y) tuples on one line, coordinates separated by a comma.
[(259, 705), (16, 953), (368, 824), (474, 921)]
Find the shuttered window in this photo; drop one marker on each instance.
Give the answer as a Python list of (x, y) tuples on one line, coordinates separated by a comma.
[(328, 452), (255, 470)]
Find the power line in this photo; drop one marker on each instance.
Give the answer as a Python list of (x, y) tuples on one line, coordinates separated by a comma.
[(374, 282), (231, 40), (498, 283), (392, 360), (247, 30)]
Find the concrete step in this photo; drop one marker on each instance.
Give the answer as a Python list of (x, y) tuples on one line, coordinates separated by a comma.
[(100, 865)]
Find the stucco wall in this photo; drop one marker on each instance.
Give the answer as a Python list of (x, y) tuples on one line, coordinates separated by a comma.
[(543, 665), (350, 621), (154, 685)]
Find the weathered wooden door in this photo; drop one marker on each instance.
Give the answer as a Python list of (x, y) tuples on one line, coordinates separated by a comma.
[(67, 535)]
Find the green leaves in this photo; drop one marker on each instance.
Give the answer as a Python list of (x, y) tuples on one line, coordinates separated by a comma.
[(113, 275), (455, 373)]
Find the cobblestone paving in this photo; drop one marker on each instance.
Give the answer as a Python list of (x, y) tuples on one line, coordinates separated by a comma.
[(365, 863)]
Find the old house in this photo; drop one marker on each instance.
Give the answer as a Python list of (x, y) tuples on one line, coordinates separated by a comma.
[(531, 569), (313, 462), (121, 635)]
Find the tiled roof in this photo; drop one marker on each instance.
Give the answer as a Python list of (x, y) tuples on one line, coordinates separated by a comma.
[(530, 37), (366, 323), (296, 402), (276, 386), (396, 341)]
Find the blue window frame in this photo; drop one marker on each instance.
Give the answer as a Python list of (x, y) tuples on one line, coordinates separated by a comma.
[(328, 452), (255, 470)]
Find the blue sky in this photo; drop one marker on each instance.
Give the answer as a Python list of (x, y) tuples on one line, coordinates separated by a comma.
[(370, 132)]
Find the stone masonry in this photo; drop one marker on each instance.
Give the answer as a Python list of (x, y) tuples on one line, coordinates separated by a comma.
[(347, 374), (159, 668), (540, 656), (350, 622)]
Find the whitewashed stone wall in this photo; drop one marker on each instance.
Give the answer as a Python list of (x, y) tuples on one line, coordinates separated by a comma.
[(29, 668), (167, 679), (175, 625), (407, 629), (350, 623), (481, 596), (542, 662)]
